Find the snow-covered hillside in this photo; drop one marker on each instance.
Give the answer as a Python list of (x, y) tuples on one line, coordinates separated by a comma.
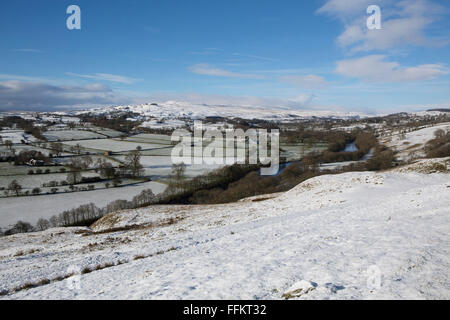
[(334, 237), (411, 145), (181, 109)]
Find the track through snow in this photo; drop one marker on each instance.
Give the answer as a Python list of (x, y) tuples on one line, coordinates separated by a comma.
[(335, 232)]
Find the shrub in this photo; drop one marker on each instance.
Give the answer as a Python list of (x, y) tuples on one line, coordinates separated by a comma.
[(381, 160), (20, 227), (439, 147)]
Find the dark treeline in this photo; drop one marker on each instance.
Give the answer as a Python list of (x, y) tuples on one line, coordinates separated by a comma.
[(336, 139), (26, 125), (116, 122), (364, 142), (25, 156)]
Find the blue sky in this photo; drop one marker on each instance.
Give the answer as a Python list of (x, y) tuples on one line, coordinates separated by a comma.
[(315, 54)]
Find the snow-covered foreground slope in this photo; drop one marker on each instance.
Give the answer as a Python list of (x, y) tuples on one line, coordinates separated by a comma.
[(336, 237)]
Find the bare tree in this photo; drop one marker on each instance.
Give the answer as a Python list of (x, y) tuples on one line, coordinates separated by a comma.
[(57, 147), (54, 221), (15, 187), (78, 148), (87, 162), (133, 163), (43, 224), (106, 169), (74, 175), (178, 170), (146, 197)]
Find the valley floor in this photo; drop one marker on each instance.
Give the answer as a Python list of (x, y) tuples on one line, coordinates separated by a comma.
[(350, 236)]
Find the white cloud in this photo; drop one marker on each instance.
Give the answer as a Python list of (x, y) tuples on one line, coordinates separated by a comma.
[(310, 81), (105, 77), (345, 9), (374, 68), (404, 23), (24, 95), (209, 70)]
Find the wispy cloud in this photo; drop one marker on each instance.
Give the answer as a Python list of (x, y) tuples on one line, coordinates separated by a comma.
[(404, 23), (28, 50), (310, 81), (22, 78), (345, 9), (210, 70), (105, 77), (375, 68), (255, 57), (206, 51)]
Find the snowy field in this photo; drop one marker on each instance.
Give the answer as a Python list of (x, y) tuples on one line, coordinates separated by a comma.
[(64, 135), (7, 169), (36, 180), (150, 138), (161, 166), (107, 132), (113, 145), (16, 136), (32, 208), (350, 236), (163, 124)]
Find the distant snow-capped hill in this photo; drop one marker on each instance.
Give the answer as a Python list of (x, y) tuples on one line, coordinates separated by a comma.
[(181, 109)]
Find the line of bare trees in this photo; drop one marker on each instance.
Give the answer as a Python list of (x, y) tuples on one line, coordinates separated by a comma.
[(84, 215)]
